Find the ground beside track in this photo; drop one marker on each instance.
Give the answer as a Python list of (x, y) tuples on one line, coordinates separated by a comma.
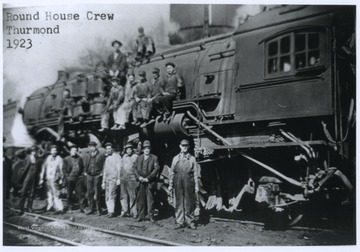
[(210, 234)]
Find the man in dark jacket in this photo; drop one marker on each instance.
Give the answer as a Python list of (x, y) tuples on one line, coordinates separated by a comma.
[(73, 168), (66, 109), (157, 92), (174, 88), (120, 59), (8, 173), (146, 169), (28, 176), (93, 173)]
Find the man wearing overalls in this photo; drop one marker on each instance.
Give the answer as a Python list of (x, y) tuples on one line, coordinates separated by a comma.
[(184, 181)]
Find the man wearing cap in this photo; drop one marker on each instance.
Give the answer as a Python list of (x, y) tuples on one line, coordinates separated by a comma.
[(116, 98), (129, 97), (51, 172), (146, 169), (156, 94), (128, 183), (142, 95), (73, 171), (93, 175), (145, 46), (66, 109), (184, 179), (120, 59), (174, 82), (28, 176), (111, 178)]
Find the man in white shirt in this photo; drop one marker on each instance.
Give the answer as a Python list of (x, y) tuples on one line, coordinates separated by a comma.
[(51, 173)]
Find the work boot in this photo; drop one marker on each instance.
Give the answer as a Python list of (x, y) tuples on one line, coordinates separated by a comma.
[(178, 226), (192, 226), (89, 212)]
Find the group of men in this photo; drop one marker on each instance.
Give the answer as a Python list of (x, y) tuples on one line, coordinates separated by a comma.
[(122, 101), (136, 175), (131, 98), (143, 99)]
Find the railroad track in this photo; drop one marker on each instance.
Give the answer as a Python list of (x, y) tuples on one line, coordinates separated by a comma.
[(41, 234), (106, 234)]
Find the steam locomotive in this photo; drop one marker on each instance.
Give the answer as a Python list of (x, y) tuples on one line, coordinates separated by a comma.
[(268, 108)]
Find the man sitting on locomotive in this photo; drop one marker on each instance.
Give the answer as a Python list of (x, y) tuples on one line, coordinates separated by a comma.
[(66, 109), (157, 92), (174, 83), (129, 101), (145, 46), (116, 98), (114, 71), (142, 96), (120, 59)]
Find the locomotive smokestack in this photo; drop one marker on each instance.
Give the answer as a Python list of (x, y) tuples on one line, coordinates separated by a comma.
[(62, 76)]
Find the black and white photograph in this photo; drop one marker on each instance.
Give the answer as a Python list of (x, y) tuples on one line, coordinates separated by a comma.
[(179, 124)]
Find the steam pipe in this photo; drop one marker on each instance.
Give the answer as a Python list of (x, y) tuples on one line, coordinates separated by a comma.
[(272, 170)]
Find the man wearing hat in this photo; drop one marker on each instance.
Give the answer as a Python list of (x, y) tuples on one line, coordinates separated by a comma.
[(129, 97), (184, 180), (28, 179), (51, 172), (93, 176), (156, 94), (128, 183), (145, 46), (116, 98), (146, 169), (66, 109), (73, 169), (111, 178), (142, 95), (120, 59), (174, 82)]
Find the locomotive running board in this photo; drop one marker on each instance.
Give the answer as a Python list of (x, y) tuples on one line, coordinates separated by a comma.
[(265, 145)]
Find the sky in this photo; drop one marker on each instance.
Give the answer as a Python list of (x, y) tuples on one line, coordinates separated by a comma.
[(25, 70)]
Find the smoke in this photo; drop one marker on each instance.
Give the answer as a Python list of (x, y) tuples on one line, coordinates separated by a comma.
[(246, 11)]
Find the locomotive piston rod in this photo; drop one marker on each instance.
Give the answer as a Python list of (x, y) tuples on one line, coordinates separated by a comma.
[(272, 170)]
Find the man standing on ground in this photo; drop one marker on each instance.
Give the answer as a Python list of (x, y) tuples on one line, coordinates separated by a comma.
[(146, 169), (28, 176), (73, 169), (184, 179), (94, 178), (51, 172), (111, 178), (128, 183)]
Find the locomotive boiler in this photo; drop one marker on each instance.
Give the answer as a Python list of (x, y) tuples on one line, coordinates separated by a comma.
[(269, 109)]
